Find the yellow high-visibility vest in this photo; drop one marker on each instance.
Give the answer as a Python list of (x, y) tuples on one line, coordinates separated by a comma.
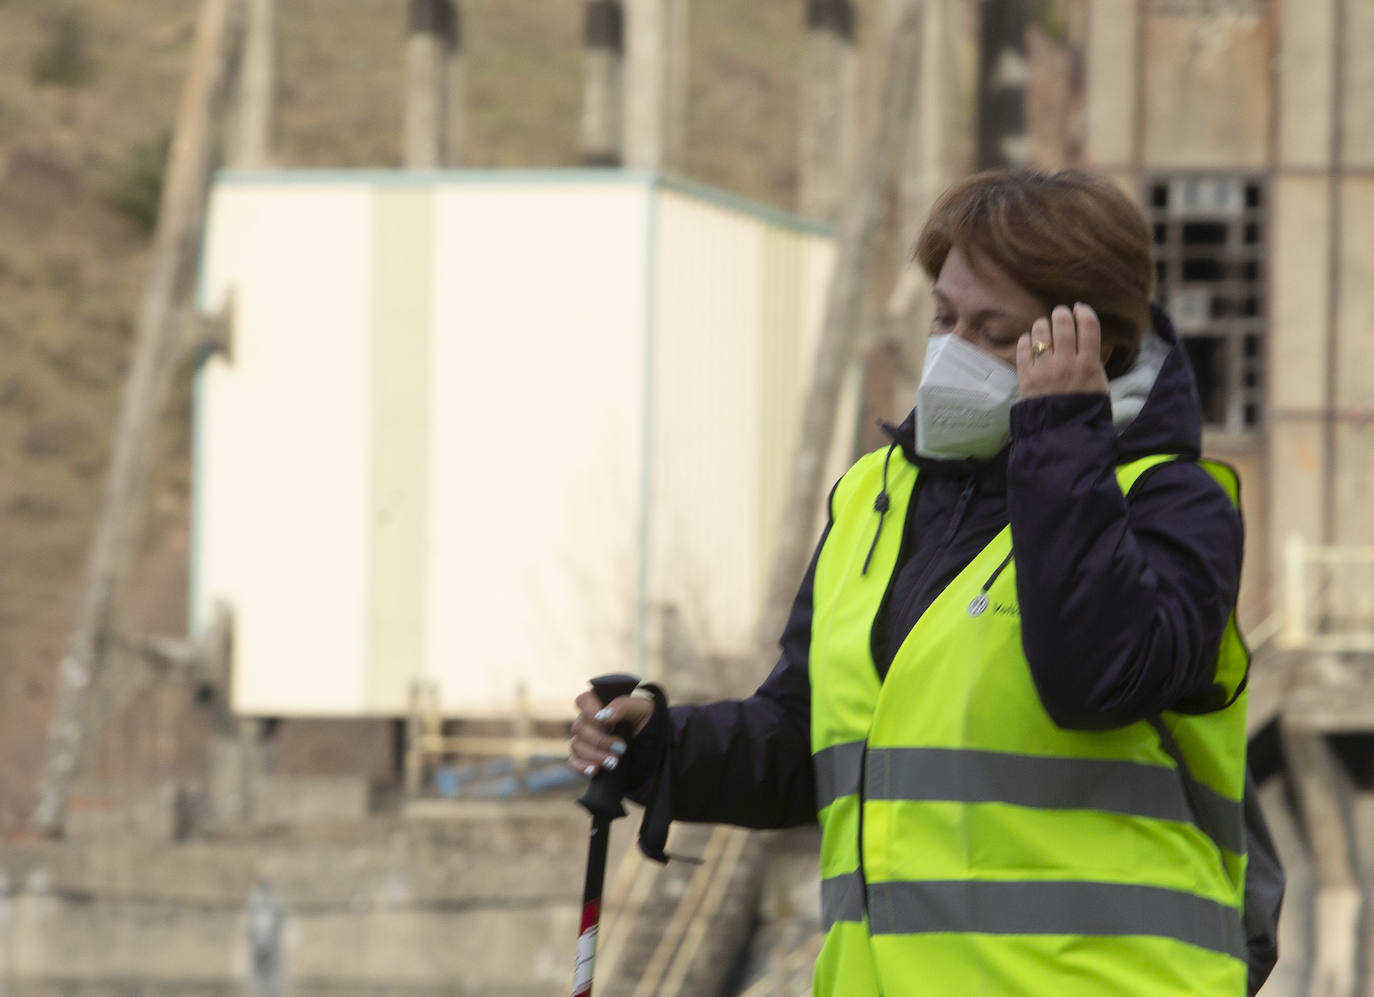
[(970, 846)]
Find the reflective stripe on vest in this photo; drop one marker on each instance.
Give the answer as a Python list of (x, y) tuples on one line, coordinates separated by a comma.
[(1033, 908), (979, 817), (971, 776)]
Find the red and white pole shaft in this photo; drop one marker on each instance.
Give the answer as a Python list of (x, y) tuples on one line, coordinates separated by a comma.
[(602, 801)]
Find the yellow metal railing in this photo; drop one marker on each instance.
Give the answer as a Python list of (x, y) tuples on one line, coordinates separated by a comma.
[(427, 743)]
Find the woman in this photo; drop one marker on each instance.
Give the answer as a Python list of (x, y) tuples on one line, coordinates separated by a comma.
[(1011, 688)]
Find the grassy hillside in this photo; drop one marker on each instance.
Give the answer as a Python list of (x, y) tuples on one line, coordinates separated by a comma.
[(81, 90), (87, 96)]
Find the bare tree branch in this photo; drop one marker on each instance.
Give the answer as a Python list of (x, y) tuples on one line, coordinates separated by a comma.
[(158, 344)]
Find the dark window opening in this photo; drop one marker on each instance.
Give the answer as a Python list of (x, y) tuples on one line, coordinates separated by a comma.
[(1207, 354), (1204, 234), (1203, 269), (1210, 255), (1356, 754)]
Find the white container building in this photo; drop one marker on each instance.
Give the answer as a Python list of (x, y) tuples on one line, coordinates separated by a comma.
[(477, 427)]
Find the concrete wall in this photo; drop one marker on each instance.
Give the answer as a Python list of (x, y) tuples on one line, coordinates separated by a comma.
[(1321, 390), (484, 901), (1282, 90), (1174, 88), (1206, 94)]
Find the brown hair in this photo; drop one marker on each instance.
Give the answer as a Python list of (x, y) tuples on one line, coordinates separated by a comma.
[(1065, 237)]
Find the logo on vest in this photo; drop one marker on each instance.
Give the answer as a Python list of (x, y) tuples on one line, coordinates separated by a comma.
[(981, 605)]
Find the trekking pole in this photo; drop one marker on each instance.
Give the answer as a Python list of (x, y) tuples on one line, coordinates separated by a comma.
[(602, 801)]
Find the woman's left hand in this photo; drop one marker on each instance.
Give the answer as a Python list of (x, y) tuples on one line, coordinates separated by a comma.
[(1062, 355)]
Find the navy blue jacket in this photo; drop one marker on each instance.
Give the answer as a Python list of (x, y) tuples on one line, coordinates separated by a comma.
[(1122, 606)]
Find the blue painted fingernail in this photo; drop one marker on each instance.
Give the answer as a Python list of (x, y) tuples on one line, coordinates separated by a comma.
[(610, 762), (618, 747), (604, 713)]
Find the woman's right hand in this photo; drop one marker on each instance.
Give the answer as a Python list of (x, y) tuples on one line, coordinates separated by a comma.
[(593, 747)]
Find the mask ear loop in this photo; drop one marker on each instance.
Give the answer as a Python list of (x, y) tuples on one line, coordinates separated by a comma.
[(880, 504)]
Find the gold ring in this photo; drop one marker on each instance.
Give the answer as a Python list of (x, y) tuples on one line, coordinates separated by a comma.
[(1039, 348)]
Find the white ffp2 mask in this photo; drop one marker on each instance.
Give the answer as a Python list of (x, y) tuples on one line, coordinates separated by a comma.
[(963, 403)]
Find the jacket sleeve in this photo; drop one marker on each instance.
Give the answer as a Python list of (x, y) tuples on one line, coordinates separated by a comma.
[(1123, 605), (744, 762)]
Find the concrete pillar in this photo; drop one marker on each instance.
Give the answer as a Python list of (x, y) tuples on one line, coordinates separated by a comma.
[(1305, 274), (1075, 125), (1326, 796), (828, 133), (939, 150), (1002, 77), (602, 91), (453, 87), (432, 35), (655, 83), (945, 148), (257, 87), (242, 751), (1111, 90)]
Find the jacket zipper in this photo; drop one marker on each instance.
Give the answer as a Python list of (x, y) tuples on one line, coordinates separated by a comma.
[(956, 521), (960, 510)]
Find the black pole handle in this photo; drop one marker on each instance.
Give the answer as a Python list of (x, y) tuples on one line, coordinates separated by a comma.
[(607, 789)]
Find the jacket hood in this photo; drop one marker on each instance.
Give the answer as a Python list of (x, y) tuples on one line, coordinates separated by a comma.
[(1170, 421)]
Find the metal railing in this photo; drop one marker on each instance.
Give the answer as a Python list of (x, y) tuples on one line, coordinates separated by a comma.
[(1328, 599), (427, 743)]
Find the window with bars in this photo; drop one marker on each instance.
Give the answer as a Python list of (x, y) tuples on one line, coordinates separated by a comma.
[(1210, 258)]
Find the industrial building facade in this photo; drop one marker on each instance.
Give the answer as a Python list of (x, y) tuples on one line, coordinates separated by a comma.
[(1247, 131)]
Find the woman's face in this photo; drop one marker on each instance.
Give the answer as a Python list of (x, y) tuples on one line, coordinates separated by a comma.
[(984, 307)]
